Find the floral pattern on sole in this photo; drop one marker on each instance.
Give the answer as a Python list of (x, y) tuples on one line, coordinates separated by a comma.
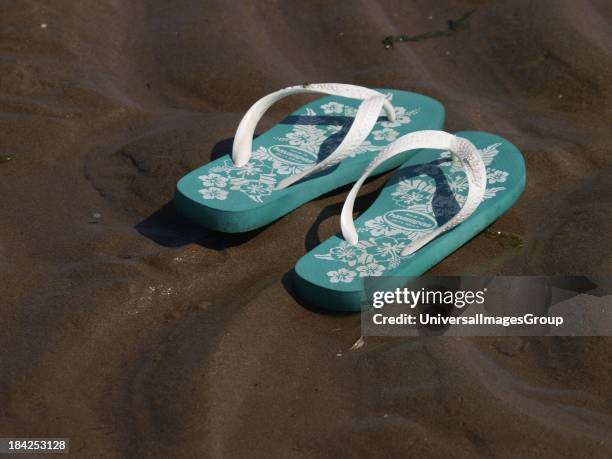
[(418, 211), (296, 151)]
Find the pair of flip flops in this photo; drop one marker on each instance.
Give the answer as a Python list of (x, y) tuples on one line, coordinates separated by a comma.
[(447, 188)]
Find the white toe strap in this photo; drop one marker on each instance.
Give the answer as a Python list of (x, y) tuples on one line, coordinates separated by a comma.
[(461, 149), (365, 119), (243, 140)]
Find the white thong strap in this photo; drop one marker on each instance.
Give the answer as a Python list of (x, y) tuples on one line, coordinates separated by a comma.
[(366, 117), (461, 149)]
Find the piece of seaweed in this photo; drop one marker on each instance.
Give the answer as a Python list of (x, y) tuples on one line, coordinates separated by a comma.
[(452, 26), (504, 238)]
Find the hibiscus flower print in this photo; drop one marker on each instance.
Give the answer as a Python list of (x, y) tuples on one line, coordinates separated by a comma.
[(345, 253), (286, 169), (388, 250), (342, 275), (367, 254), (213, 193), (496, 176), (413, 191), (379, 227), (350, 111), (254, 188), (332, 107), (401, 117), (251, 170), (412, 196), (371, 270), (224, 168), (213, 180), (387, 134), (261, 154), (306, 135), (389, 247)]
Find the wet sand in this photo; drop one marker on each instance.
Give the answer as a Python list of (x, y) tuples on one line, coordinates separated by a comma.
[(136, 334)]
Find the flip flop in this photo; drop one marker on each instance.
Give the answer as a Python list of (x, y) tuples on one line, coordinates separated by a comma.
[(439, 199), (320, 147)]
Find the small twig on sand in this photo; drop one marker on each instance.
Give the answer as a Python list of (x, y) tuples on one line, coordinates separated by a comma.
[(453, 26), (358, 344)]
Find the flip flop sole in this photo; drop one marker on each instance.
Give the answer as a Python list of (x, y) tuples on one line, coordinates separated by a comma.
[(233, 199), (424, 193)]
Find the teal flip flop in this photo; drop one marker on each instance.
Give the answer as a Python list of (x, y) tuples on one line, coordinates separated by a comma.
[(320, 147), (433, 204)]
